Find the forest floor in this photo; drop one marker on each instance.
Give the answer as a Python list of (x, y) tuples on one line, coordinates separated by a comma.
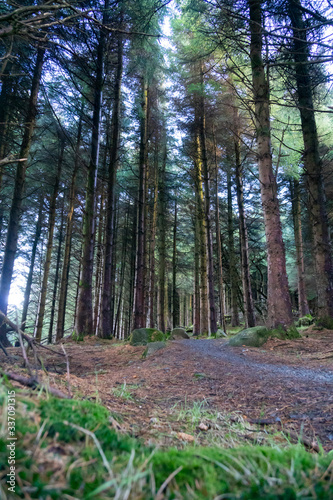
[(203, 391)]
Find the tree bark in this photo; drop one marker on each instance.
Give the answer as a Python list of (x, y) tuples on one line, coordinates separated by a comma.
[(15, 212), (279, 304), (312, 164)]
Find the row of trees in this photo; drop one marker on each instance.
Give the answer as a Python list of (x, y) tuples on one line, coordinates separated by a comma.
[(130, 182)]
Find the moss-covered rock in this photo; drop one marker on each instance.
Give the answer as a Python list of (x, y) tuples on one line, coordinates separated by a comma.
[(153, 347), (258, 335), (254, 337), (305, 320), (178, 334), (142, 336), (220, 333)]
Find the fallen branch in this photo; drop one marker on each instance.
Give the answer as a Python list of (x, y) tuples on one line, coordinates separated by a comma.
[(31, 341), (34, 383)]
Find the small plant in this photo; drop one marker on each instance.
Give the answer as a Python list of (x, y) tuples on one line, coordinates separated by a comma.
[(122, 392)]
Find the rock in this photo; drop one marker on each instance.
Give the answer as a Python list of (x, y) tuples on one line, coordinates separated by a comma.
[(152, 347), (220, 333), (178, 334), (254, 337), (203, 427), (142, 336)]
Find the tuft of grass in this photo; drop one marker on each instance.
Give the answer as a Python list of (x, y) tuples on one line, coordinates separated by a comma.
[(123, 392)]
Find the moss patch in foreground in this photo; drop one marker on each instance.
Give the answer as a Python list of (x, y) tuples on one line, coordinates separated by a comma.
[(138, 471)]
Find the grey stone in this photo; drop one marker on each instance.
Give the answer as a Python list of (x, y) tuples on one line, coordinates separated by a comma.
[(178, 334), (152, 347)]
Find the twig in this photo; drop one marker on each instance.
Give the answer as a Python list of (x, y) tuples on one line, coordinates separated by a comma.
[(4, 350), (68, 374), (167, 481), (34, 383)]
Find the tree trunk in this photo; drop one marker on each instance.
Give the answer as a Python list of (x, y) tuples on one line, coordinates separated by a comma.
[(32, 263), (303, 305), (162, 245), (56, 277), (106, 324), (196, 301), (99, 265), (84, 315), (139, 298), (15, 212), (312, 164), (279, 304), (233, 276), (219, 245), (68, 238), (204, 317), (175, 294), (250, 318), (210, 267), (153, 239), (47, 263)]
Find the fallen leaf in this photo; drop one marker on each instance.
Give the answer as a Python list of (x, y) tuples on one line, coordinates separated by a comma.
[(185, 437)]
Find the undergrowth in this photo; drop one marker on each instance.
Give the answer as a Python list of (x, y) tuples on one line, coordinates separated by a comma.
[(67, 449)]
